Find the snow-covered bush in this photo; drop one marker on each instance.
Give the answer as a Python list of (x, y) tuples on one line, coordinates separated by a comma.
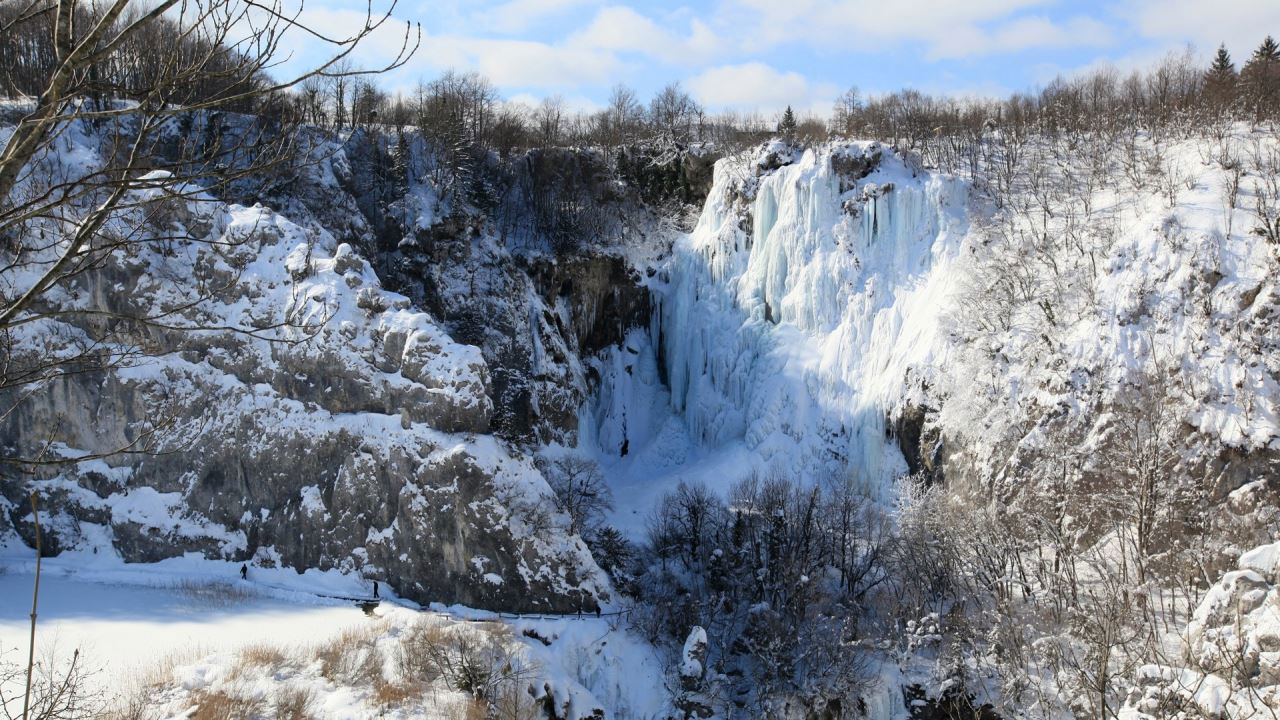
[(776, 578)]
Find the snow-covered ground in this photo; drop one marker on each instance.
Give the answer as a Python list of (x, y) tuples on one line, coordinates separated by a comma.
[(192, 619), (125, 618)]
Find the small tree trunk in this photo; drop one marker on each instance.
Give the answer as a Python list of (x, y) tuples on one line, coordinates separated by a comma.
[(35, 598)]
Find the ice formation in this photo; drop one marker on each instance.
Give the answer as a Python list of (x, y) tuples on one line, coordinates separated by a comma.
[(797, 336)]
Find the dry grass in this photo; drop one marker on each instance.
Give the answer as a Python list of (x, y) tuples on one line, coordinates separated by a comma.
[(160, 673), (387, 694), (212, 594), (258, 659), (352, 657), (294, 703), (469, 710), (132, 704), (476, 656), (135, 696), (263, 655), (225, 705)]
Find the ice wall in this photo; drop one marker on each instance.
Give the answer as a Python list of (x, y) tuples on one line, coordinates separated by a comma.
[(798, 335)]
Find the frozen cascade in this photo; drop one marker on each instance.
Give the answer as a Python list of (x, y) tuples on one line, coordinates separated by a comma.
[(798, 337)]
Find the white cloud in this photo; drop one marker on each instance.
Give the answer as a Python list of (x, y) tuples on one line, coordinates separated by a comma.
[(506, 62), (515, 63), (1241, 24), (622, 29), (948, 29), (518, 15), (757, 86), (572, 103), (578, 47), (1022, 34)]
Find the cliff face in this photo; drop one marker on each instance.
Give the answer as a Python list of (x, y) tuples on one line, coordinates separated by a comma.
[(375, 357), (532, 260), (308, 416)]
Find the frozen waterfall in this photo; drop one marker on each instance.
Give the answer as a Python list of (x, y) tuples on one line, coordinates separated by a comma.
[(798, 336)]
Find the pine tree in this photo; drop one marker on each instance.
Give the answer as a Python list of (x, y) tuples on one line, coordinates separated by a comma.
[(787, 125), (1260, 78), (1220, 80), (1269, 49)]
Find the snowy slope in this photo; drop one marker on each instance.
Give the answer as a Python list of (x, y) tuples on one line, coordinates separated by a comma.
[(1231, 651), (1153, 295)]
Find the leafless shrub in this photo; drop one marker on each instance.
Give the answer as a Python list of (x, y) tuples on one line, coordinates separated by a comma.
[(420, 643), (1264, 167), (294, 703), (59, 688), (580, 490), (482, 661)]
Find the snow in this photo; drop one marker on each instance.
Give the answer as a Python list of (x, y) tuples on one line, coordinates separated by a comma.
[(786, 346), (597, 663), (782, 348), (311, 349), (123, 629), (1264, 559), (1233, 667)]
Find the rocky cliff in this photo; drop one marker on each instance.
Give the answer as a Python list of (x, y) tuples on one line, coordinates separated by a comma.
[(282, 406)]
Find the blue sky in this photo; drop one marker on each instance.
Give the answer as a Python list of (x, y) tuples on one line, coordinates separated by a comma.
[(764, 54)]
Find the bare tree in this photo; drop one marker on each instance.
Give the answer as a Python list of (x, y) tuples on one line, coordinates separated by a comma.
[(622, 117), (580, 491), (60, 689), (549, 121), (674, 113), (845, 116)]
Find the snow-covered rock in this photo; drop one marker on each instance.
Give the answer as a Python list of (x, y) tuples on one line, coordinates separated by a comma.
[(693, 656), (1233, 648), (291, 409)]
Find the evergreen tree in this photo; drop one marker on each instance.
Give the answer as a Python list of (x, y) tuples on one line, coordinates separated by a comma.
[(1269, 49), (787, 125), (1221, 79), (1260, 78)]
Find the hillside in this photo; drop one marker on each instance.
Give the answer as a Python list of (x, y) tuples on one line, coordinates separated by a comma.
[(861, 414)]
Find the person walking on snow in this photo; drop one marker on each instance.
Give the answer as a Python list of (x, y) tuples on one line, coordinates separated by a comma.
[(375, 589), (244, 572)]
